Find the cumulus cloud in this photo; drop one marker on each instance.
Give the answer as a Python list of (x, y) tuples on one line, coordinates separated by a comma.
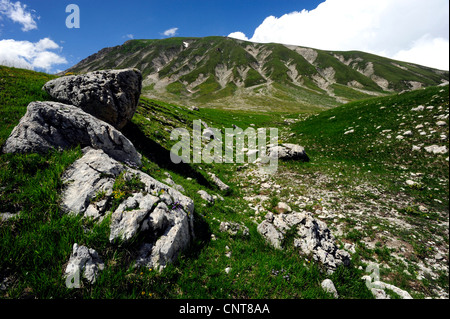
[(28, 55), (427, 49), (238, 35), (171, 32), (410, 29), (18, 12)]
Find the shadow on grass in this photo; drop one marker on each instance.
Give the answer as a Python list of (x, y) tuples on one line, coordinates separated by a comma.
[(159, 155)]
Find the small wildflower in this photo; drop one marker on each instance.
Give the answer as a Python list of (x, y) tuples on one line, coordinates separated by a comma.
[(143, 293)]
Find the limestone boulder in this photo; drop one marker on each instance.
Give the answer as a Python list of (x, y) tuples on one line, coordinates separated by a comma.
[(53, 125), (84, 262), (288, 151), (109, 95), (311, 237)]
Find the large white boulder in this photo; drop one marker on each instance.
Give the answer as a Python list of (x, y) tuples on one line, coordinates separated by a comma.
[(110, 95)]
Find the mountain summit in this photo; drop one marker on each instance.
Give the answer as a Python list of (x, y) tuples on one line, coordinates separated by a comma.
[(234, 74)]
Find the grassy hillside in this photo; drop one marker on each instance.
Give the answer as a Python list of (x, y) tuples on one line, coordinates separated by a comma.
[(373, 211), (18, 87), (378, 142)]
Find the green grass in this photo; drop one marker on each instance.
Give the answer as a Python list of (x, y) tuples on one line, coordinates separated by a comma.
[(372, 151), (348, 93), (18, 88), (253, 78)]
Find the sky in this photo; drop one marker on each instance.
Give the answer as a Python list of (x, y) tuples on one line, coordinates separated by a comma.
[(39, 34)]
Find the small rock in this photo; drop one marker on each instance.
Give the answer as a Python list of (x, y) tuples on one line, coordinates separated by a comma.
[(204, 195), (328, 286), (84, 261), (233, 228), (265, 185), (282, 207), (438, 256), (407, 133), (288, 152), (222, 186), (441, 123), (350, 247), (423, 209), (418, 109), (410, 182)]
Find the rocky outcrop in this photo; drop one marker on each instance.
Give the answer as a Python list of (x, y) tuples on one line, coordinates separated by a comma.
[(159, 213), (53, 125), (311, 237), (110, 95), (288, 151), (104, 181)]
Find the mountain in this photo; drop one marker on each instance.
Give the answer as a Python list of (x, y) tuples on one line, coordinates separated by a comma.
[(233, 74)]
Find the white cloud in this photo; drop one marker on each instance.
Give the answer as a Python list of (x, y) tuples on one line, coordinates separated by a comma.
[(406, 28), (238, 35), (171, 32), (425, 50), (17, 12), (129, 36), (28, 55)]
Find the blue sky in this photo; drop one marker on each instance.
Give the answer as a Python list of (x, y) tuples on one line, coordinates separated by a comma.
[(33, 33)]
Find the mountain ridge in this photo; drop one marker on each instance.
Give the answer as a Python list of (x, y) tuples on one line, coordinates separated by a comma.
[(228, 73)]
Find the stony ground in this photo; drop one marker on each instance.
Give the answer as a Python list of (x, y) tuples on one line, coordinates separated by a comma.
[(365, 219)]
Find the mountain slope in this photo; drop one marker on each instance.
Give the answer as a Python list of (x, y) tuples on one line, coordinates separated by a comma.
[(229, 73)]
